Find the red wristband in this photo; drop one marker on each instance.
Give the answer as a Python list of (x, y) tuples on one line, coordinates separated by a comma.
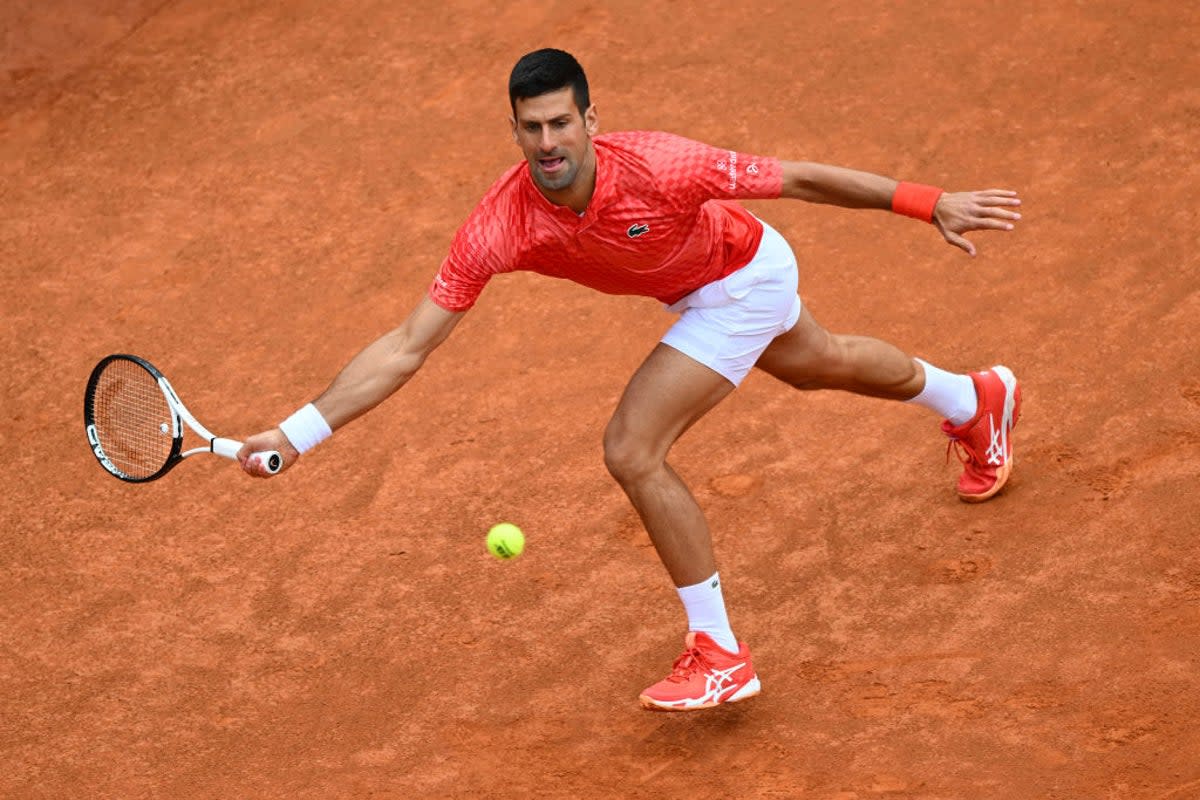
[(916, 200)]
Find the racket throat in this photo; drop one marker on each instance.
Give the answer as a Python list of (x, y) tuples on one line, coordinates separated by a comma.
[(226, 448)]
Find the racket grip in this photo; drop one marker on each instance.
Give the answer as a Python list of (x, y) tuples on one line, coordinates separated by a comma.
[(228, 448)]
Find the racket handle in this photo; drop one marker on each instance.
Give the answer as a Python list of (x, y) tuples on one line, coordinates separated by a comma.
[(228, 448), (270, 459)]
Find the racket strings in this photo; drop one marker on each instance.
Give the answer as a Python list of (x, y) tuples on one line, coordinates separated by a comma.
[(134, 422)]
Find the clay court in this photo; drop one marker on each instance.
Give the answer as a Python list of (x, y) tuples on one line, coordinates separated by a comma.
[(246, 193)]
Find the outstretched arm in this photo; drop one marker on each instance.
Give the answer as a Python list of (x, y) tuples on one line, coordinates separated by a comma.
[(371, 377), (956, 213)]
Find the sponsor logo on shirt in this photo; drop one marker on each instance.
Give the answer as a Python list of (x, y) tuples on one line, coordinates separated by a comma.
[(729, 167), (637, 230)]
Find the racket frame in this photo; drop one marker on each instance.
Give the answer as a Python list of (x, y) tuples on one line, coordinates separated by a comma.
[(180, 416)]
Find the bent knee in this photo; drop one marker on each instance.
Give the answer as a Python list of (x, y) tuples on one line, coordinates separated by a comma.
[(627, 457)]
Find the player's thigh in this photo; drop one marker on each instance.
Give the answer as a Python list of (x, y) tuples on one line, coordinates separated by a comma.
[(802, 352), (667, 395)]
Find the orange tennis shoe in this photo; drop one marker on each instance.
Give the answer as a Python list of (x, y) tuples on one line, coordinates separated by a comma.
[(984, 442), (706, 675)]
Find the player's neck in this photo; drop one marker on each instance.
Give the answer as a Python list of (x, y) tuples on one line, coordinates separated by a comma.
[(577, 196)]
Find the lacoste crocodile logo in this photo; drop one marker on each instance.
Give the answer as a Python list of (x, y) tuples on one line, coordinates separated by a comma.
[(637, 230)]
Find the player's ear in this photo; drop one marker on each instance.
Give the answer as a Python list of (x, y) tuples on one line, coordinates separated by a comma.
[(591, 120), (513, 122)]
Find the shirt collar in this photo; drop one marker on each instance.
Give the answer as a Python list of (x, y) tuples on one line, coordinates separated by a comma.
[(606, 179)]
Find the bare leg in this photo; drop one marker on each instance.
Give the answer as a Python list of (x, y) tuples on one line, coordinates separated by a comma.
[(670, 392), (810, 357), (665, 397)]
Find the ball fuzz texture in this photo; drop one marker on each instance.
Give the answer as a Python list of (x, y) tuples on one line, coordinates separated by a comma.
[(505, 541)]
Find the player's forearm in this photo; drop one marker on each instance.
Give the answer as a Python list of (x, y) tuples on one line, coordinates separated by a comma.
[(386, 364), (371, 377), (838, 186)]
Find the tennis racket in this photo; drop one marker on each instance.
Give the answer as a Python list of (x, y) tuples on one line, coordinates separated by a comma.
[(135, 422)]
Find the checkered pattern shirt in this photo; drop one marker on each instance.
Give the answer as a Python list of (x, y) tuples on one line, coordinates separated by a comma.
[(661, 223)]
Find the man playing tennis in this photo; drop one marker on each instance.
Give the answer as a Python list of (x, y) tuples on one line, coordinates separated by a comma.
[(654, 214)]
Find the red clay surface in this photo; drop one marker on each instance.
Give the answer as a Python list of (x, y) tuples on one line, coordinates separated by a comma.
[(247, 192)]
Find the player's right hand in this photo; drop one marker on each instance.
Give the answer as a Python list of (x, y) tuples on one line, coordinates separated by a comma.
[(261, 442)]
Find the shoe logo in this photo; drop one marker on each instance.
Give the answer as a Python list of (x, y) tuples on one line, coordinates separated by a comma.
[(719, 681), (637, 230), (995, 451)]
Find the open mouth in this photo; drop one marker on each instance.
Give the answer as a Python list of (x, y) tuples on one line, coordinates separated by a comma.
[(550, 165)]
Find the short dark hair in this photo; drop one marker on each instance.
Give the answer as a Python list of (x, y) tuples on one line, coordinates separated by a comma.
[(544, 71)]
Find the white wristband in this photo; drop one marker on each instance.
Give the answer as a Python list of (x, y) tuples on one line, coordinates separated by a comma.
[(306, 428)]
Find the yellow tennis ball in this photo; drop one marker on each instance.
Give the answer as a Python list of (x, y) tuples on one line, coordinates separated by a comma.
[(505, 541)]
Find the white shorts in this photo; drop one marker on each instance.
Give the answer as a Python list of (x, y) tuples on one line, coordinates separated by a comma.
[(727, 324)]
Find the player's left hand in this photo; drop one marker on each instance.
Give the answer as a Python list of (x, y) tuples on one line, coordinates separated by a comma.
[(957, 213)]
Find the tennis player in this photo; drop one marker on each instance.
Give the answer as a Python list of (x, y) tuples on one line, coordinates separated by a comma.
[(651, 213)]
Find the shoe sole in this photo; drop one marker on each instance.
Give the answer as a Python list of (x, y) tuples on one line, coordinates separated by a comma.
[(1012, 410), (751, 689)]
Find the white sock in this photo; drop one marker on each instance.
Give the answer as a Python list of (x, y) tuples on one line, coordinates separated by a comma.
[(705, 609), (952, 396)]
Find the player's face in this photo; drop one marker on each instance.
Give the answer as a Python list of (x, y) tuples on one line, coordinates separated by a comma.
[(554, 137)]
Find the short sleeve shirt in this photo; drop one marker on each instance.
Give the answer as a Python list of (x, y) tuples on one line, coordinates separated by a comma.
[(661, 223)]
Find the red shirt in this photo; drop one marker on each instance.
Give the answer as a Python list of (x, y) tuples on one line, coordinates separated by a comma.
[(661, 222)]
